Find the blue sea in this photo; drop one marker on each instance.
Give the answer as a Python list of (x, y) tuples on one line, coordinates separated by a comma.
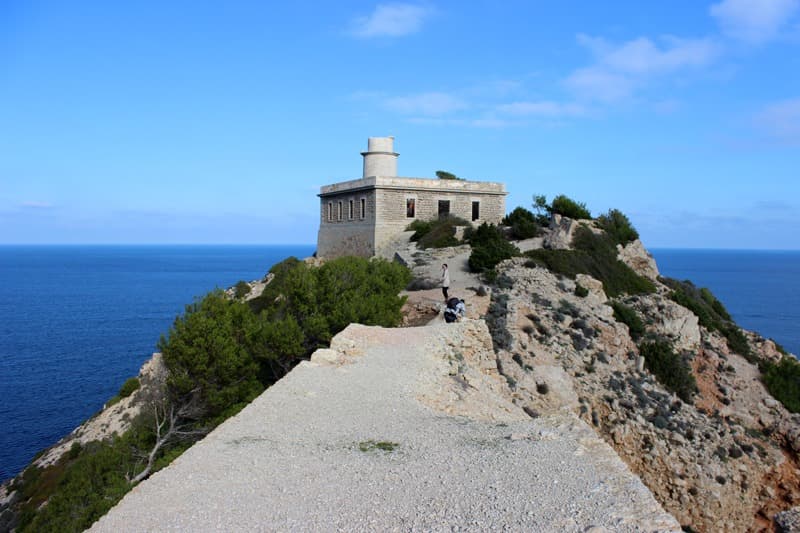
[(760, 289), (76, 321)]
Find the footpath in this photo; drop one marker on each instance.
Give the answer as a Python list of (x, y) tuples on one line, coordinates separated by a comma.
[(394, 430)]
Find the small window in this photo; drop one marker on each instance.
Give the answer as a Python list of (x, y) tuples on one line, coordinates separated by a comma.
[(410, 207), (363, 208), (350, 211), (444, 208), (476, 210), (330, 211), (339, 217)]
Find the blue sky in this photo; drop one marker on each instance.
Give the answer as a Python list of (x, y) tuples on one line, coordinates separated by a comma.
[(217, 122)]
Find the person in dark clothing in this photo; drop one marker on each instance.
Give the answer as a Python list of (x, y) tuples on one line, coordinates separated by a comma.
[(455, 308)]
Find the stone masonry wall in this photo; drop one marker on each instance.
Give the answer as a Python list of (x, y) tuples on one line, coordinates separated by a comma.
[(386, 216), (346, 236)]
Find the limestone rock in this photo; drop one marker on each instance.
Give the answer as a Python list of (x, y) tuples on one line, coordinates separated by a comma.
[(639, 259), (561, 232), (594, 286), (788, 521)]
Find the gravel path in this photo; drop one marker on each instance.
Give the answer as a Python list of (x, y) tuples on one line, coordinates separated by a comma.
[(293, 459)]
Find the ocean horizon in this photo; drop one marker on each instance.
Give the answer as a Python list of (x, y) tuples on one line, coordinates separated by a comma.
[(77, 320)]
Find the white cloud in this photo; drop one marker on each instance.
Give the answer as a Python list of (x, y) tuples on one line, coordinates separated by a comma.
[(36, 205), (542, 108), (391, 20), (754, 21), (620, 69), (781, 121), (429, 104)]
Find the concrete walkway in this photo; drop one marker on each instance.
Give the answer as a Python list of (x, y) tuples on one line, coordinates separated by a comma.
[(304, 456)]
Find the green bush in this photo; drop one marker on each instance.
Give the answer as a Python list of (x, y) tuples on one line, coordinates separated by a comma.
[(595, 255), (439, 233), (241, 289), (669, 368), (489, 247), (522, 223), (711, 314), (420, 229), (444, 175), (618, 226), (568, 207), (626, 315), (783, 381), (581, 291), (129, 387)]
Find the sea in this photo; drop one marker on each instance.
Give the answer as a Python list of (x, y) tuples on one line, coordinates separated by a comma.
[(77, 321)]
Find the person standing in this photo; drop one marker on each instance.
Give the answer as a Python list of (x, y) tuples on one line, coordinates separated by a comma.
[(445, 280)]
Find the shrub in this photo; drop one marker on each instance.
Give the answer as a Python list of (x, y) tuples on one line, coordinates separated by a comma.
[(522, 223), (669, 368), (496, 322), (489, 247), (711, 314), (241, 289), (129, 387), (420, 229), (568, 207), (783, 382), (595, 255), (444, 175), (626, 315), (618, 227), (581, 291), (436, 233)]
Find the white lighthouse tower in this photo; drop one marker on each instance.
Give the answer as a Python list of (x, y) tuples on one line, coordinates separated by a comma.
[(380, 159)]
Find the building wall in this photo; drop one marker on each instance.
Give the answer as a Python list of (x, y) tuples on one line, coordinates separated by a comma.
[(386, 209), (338, 237)]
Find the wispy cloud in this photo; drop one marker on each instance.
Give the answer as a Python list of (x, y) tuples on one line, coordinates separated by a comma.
[(781, 121), (36, 205), (391, 20), (754, 21), (621, 69), (542, 108), (428, 104)]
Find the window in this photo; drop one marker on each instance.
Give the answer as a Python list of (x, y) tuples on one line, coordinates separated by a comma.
[(350, 212), (444, 208), (330, 211), (363, 208), (410, 207), (476, 210), (339, 214)]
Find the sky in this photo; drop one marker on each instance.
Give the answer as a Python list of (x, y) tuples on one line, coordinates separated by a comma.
[(217, 122)]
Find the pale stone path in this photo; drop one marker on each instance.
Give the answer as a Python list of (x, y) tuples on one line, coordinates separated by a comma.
[(291, 461)]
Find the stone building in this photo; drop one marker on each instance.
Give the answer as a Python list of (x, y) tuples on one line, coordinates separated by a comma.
[(361, 216)]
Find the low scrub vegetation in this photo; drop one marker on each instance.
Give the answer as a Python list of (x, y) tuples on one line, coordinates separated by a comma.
[(522, 224), (241, 289), (595, 255), (628, 316), (618, 227), (669, 368), (711, 314), (439, 233), (566, 206), (783, 381), (220, 354), (489, 247)]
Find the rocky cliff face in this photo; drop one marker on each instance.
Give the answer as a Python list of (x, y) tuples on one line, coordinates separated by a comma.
[(726, 461)]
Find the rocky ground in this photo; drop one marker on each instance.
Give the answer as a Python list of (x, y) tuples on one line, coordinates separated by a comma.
[(394, 430), (728, 461)]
